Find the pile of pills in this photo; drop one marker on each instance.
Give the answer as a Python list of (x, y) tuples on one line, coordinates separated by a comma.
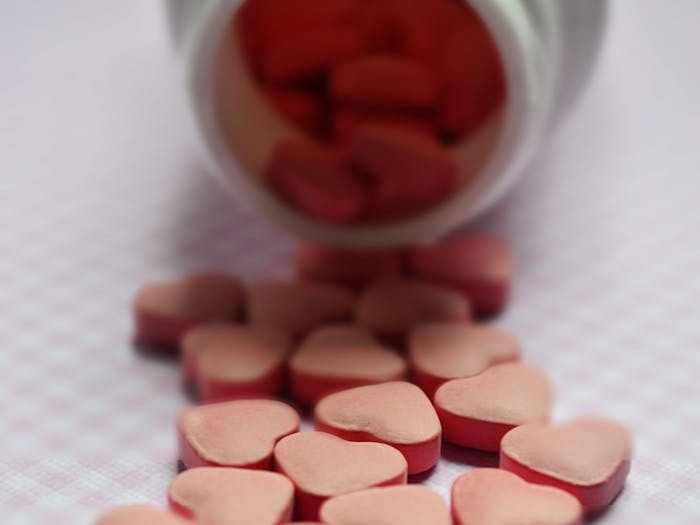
[(379, 90), (343, 341)]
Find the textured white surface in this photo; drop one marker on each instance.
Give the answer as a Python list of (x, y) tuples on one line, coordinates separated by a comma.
[(103, 188)]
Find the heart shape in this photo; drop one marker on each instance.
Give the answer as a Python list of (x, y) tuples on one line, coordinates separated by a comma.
[(322, 466), (391, 307), (439, 352), (298, 307), (139, 515), (481, 266), (232, 496), (402, 505), (493, 497), (228, 361), (476, 412), (338, 358), (588, 457), (396, 413), (239, 433), (163, 312)]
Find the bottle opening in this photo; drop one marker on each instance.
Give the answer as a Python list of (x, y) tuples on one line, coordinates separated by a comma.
[(354, 114)]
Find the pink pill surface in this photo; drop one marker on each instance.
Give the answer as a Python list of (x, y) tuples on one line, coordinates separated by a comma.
[(229, 361), (316, 181), (299, 307), (478, 411), (392, 307), (139, 515), (442, 351), (481, 266), (322, 466), (338, 358), (240, 433), (410, 170), (385, 80), (397, 413), (588, 458), (352, 268), (232, 496), (163, 312), (401, 505), (496, 497)]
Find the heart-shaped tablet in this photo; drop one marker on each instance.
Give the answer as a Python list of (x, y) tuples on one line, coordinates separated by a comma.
[(439, 352), (478, 411), (351, 268), (227, 361), (163, 312), (139, 515), (404, 505), (239, 433), (232, 496), (339, 358), (491, 496), (391, 307), (397, 413), (588, 457), (479, 265), (298, 307), (322, 466)]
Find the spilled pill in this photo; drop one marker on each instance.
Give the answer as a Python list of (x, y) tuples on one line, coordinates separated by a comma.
[(442, 351), (401, 505), (298, 307), (240, 433), (587, 457), (477, 411), (139, 515), (479, 265), (397, 413), (322, 466), (496, 497), (228, 361), (392, 307), (163, 312), (232, 496), (338, 358)]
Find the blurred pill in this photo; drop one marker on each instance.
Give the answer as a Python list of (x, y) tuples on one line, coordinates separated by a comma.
[(139, 515)]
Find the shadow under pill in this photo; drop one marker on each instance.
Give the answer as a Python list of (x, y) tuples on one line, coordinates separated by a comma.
[(469, 456)]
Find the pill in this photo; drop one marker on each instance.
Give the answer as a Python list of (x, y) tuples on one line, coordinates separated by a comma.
[(479, 265), (232, 496), (410, 169), (384, 81), (304, 109), (322, 466), (476, 412), (139, 515), (329, 362), (587, 457), (228, 361), (310, 53), (299, 307), (339, 334), (472, 79), (491, 496), (397, 413), (391, 307), (354, 268), (316, 181), (346, 121), (442, 351), (400, 505), (163, 312), (240, 433)]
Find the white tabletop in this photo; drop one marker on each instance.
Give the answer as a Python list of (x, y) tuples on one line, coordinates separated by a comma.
[(103, 188)]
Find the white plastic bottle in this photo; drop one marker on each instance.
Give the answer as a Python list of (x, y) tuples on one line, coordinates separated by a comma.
[(548, 48)]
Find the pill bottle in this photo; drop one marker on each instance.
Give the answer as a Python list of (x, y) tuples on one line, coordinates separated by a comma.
[(547, 49)]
